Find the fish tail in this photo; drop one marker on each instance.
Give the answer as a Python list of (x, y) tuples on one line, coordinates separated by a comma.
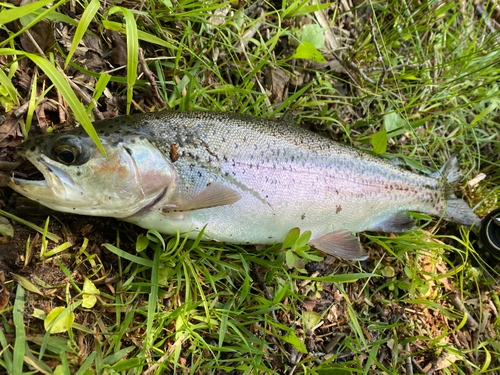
[(459, 212), (456, 209)]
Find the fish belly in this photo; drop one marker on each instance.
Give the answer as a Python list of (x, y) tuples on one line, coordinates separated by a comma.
[(274, 203)]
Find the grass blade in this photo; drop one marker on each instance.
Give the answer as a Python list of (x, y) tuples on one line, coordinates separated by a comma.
[(37, 19), (153, 298), (132, 50), (99, 88), (20, 343), (125, 255), (50, 236), (5, 81), (15, 13), (87, 17), (115, 26), (59, 79), (7, 356), (31, 108)]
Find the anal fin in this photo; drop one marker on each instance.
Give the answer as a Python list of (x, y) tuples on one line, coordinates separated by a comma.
[(399, 222), (216, 194), (341, 243)]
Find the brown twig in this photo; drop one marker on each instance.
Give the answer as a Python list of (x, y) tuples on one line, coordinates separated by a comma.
[(408, 363), (455, 301), (60, 107), (417, 366), (40, 51), (436, 362), (151, 80), (22, 109)]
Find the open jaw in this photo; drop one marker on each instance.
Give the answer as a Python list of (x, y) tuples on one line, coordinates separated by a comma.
[(55, 184)]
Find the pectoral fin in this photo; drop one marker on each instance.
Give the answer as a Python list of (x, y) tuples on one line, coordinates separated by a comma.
[(216, 194), (341, 243)]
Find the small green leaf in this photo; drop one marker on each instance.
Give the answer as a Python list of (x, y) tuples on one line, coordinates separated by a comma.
[(304, 254), (306, 50), (292, 339), (142, 243), (165, 275), (6, 228), (6, 103), (313, 34), (402, 285), (388, 271), (379, 142), (280, 295), (57, 249), (393, 121), (409, 273), (312, 318), (62, 325), (302, 240), (291, 238), (293, 261), (89, 294), (290, 258), (424, 289), (39, 314)]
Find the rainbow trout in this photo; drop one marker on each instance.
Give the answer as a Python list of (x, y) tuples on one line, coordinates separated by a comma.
[(249, 180)]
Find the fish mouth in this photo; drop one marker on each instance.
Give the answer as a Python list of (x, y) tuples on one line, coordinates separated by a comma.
[(56, 182)]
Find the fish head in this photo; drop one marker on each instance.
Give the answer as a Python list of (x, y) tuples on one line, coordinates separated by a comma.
[(79, 178)]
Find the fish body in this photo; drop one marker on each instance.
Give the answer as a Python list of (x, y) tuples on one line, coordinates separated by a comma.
[(247, 179)]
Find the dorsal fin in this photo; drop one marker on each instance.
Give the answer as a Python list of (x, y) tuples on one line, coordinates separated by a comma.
[(449, 171)]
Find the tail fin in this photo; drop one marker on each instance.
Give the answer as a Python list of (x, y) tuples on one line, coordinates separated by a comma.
[(457, 211)]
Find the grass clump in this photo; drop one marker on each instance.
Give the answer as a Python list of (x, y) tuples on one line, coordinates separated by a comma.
[(417, 80)]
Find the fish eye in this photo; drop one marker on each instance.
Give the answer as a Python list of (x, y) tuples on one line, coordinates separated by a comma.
[(66, 155), (68, 149)]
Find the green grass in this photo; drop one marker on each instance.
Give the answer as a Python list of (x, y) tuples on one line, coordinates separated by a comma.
[(168, 305)]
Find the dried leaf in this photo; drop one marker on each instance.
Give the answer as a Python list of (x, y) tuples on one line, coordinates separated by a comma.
[(43, 35), (26, 284)]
